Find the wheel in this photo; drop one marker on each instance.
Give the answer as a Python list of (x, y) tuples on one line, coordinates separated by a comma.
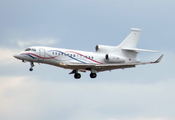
[(77, 76), (31, 69), (93, 75)]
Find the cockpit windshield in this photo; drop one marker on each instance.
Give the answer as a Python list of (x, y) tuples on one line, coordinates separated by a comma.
[(30, 49)]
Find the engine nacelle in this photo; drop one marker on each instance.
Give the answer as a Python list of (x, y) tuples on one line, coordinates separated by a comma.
[(114, 58), (104, 48)]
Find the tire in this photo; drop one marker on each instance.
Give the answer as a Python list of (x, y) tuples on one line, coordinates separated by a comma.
[(93, 75), (77, 76), (31, 69)]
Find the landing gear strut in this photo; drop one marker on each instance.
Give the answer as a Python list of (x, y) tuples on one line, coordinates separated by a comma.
[(77, 75), (32, 65), (93, 73)]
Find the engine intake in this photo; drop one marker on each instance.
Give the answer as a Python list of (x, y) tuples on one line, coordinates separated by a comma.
[(104, 48), (114, 58)]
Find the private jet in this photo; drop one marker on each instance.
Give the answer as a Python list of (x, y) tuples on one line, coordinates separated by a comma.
[(106, 58)]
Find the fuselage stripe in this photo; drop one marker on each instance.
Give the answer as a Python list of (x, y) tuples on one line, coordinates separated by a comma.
[(32, 56), (68, 56), (29, 54), (85, 57)]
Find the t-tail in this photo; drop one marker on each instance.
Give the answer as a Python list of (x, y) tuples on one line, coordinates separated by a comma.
[(128, 48), (132, 39)]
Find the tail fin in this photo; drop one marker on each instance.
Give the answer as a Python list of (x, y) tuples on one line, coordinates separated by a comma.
[(132, 39), (127, 48), (129, 42)]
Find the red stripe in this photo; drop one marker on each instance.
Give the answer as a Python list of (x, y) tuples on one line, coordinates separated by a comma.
[(40, 57), (85, 57)]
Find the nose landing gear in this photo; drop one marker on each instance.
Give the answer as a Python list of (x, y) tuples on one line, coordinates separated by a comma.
[(31, 69), (32, 65)]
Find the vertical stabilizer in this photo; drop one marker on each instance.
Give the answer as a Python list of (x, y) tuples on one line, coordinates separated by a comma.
[(130, 42), (132, 39)]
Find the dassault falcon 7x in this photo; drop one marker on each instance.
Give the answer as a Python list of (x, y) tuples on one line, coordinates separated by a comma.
[(105, 58)]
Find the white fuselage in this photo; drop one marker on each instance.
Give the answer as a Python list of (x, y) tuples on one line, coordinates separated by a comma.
[(59, 57), (105, 58)]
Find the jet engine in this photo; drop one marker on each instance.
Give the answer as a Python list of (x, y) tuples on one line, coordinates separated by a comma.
[(104, 48), (114, 58)]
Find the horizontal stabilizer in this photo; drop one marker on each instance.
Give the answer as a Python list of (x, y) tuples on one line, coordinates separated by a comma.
[(138, 50)]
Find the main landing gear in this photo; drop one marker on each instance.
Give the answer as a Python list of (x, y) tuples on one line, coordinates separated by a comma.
[(93, 75), (32, 65), (78, 75)]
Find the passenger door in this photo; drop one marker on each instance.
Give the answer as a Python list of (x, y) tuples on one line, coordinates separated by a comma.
[(41, 54)]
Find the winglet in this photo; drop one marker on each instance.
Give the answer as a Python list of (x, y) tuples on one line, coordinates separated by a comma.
[(159, 59)]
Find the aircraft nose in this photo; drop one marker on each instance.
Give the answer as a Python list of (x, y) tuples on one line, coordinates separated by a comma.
[(17, 56)]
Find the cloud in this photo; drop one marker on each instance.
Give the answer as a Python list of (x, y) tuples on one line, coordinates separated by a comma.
[(15, 93), (45, 41), (27, 97), (7, 55)]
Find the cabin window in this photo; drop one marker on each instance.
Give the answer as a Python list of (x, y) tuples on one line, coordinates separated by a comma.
[(33, 49)]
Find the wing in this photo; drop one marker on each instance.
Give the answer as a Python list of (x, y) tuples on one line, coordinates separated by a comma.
[(104, 67)]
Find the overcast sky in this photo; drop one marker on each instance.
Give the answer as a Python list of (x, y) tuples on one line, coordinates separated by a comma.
[(50, 93)]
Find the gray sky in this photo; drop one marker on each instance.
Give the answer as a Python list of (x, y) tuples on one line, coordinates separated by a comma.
[(142, 93)]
